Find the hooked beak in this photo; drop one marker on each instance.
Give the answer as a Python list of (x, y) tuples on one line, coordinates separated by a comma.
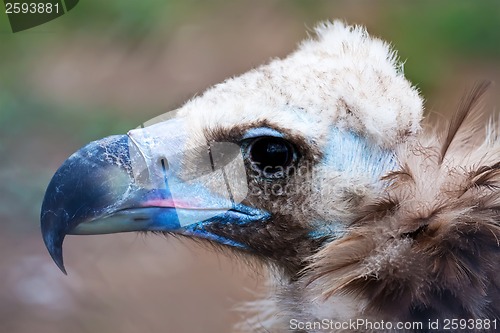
[(147, 181)]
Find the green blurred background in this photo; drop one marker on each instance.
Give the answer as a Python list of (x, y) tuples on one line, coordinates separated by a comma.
[(107, 66)]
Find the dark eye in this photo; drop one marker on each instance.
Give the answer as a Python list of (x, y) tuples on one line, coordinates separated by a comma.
[(272, 156)]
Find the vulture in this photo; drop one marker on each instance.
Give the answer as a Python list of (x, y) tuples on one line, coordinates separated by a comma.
[(321, 166)]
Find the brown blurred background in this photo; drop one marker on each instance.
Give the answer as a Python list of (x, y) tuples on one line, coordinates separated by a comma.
[(106, 67)]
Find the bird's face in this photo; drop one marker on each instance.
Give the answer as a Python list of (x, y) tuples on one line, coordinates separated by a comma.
[(256, 186), (274, 163)]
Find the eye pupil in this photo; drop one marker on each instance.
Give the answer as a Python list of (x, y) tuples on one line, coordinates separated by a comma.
[(272, 155)]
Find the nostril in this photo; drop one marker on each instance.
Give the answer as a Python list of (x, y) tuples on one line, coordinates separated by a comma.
[(415, 233), (164, 164)]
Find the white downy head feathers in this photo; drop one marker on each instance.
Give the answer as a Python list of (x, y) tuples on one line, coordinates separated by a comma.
[(342, 77)]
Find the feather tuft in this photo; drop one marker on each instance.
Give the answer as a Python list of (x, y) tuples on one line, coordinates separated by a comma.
[(429, 243)]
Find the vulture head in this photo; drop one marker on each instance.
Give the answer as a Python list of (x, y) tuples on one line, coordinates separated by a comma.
[(317, 165)]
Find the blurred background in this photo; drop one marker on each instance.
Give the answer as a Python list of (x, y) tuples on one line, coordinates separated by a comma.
[(106, 67)]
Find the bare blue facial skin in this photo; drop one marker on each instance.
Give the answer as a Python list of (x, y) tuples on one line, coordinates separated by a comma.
[(138, 182), (351, 154), (347, 151)]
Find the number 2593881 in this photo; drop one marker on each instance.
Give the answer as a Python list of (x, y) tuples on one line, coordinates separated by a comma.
[(31, 8)]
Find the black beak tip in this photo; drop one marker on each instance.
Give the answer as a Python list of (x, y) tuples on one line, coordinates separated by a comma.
[(76, 192), (53, 238)]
